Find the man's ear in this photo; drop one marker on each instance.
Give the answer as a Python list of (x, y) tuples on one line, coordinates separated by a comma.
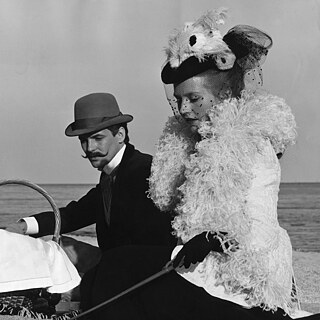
[(121, 135)]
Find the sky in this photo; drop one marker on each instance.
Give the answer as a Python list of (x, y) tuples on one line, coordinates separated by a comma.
[(54, 51)]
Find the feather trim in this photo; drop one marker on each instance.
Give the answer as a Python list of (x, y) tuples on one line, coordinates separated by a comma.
[(201, 39), (173, 149), (206, 183)]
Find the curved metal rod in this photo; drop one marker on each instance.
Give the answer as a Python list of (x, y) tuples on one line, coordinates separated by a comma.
[(56, 235)]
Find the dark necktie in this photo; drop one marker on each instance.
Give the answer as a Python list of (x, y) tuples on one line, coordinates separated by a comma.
[(106, 182)]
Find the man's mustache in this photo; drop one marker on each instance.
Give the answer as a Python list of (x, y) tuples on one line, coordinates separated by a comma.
[(89, 155)]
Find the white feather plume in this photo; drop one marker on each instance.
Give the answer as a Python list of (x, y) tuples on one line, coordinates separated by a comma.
[(201, 38)]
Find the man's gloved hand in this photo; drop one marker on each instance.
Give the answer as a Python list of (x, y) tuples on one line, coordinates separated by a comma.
[(197, 248)]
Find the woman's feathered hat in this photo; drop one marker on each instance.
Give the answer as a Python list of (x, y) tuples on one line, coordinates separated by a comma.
[(199, 46)]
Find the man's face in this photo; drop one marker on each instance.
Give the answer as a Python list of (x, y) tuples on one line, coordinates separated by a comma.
[(195, 96), (100, 147)]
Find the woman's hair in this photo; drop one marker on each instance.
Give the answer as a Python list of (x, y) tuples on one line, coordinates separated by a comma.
[(227, 83)]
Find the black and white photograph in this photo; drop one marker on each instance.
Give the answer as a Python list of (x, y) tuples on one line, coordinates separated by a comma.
[(160, 159)]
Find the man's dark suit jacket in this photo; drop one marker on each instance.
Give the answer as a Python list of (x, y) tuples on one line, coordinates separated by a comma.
[(134, 218)]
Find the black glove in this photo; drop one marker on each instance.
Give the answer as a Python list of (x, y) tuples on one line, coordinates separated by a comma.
[(197, 248)]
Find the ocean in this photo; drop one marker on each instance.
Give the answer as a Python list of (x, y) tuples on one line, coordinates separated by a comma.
[(298, 208)]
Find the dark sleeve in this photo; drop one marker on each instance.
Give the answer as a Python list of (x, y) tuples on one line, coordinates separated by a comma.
[(150, 225), (76, 215)]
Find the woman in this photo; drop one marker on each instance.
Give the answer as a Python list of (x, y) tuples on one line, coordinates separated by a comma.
[(216, 169), (226, 175)]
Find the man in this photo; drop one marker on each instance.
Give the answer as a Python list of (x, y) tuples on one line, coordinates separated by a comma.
[(118, 205)]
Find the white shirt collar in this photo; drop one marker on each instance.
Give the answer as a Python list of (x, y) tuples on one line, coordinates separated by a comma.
[(108, 168)]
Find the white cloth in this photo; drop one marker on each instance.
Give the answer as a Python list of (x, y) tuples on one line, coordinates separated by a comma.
[(32, 225), (300, 314), (109, 167), (27, 263), (203, 275), (265, 233)]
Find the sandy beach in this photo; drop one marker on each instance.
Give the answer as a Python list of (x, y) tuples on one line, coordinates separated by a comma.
[(306, 267)]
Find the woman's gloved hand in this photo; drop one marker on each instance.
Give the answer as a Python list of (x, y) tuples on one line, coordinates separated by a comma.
[(197, 248)]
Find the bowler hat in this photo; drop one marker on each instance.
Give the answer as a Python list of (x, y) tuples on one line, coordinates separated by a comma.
[(95, 112)]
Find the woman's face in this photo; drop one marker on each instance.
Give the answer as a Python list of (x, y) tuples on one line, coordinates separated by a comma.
[(195, 96)]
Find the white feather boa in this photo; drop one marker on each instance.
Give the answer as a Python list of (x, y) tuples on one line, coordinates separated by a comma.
[(206, 182)]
